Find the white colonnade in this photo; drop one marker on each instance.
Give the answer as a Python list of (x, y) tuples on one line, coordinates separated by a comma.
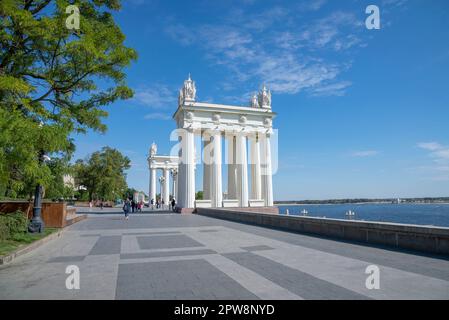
[(249, 171), (169, 167)]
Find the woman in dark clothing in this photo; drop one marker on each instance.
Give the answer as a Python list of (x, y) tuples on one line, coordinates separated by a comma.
[(126, 208)]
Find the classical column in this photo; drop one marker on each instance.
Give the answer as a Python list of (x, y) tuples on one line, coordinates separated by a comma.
[(174, 173), (166, 197), (152, 185), (161, 187), (267, 184), (232, 192), (242, 170), (206, 167), (215, 171), (186, 179), (256, 187)]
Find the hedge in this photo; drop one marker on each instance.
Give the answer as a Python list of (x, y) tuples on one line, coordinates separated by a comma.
[(12, 224)]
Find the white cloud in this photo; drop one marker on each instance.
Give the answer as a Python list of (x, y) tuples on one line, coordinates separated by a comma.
[(334, 89), (286, 56), (432, 146), (156, 96), (365, 153), (157, 116), (440, 155), (394, 3), (439, 152), (312, 5)]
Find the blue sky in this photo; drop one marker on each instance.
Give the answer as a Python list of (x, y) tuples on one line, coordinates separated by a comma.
[(361, 113)]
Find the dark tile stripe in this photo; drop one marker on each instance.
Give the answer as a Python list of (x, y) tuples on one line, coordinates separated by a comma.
[(257, 248), (67, 259), (300, 283), (107, 245), (166, 242), (165, 254), (187, 279), (150, 233), (435, 267)]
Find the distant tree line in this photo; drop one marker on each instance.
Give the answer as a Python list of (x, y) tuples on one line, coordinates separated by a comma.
[(365, 200)]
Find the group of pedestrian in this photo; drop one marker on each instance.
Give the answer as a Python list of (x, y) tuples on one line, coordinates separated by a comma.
[(131, 206), (136, 206), (158, 204)]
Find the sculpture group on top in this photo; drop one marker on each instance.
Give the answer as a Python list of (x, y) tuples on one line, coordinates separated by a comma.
[(262, 99), (188, 92), (153, 149)]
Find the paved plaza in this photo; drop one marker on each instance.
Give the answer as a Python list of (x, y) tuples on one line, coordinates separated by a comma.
[(171, 256)]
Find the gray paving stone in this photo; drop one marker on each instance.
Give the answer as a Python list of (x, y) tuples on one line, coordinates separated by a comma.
[(67, 259), (150, 233), (138, 281), (235, 261), (257, 248), (166, 254), (167, 242), (107, 245), (428, 265), (295, 281)]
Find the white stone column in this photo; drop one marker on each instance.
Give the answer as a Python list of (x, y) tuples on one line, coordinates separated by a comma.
[(206, 167), (166, 197), (232, 181), (175, 180), (152, 185), (242, 170), (215, 171), (186, 179), (267, 184), (256, 183), (161, 189)]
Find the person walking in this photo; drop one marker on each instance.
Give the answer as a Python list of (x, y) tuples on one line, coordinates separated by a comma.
[(173, 204), (133, 205), (139, 207), (152, 204), (126, 208)]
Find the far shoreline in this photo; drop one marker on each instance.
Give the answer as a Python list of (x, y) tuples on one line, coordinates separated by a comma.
[(356, 203)]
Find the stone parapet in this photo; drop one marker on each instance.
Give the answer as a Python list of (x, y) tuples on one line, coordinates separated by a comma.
[(427, 239)]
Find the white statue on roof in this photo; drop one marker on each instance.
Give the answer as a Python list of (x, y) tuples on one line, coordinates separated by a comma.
[(264, 98), (254, 102), (187, 92), (153, 149)]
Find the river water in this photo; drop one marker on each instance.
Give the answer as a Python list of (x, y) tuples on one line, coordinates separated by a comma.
[(422, 214)]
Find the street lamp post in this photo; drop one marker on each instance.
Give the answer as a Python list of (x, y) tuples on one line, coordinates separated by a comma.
[(36, 223)]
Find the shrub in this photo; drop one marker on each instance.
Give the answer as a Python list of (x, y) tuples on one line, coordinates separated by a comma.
[(4, 231), (12, 224)]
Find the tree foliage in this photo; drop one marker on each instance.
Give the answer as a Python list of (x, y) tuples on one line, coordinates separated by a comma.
[(103, 174), (54, 82), (57, 188)]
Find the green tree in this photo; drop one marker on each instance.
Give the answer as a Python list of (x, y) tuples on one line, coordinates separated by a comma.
[(129, 193), (199, 195), (57, 188), (103, 174), (54, 82)]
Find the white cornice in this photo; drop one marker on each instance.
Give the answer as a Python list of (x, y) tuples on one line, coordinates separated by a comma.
[(221, 108)]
